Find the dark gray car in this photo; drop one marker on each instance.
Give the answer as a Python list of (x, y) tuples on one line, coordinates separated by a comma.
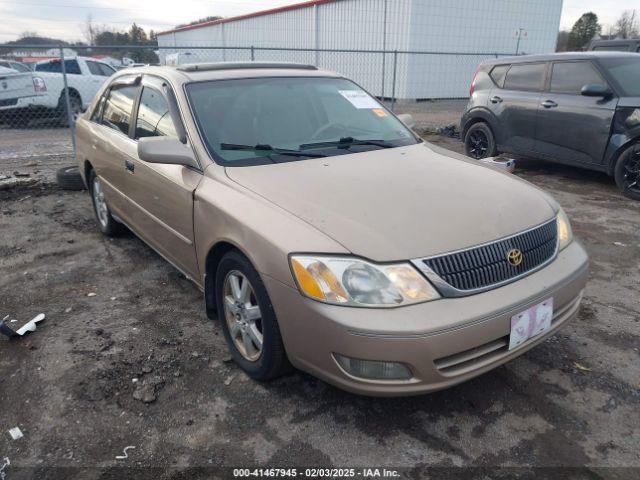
[(581, 109)]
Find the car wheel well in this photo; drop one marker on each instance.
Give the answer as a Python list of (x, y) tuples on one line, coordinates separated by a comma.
[(214, 256), (472, 122), (72, 93), (616, 156), (87, 170)]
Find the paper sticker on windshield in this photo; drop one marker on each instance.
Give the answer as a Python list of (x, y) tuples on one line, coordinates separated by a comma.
[(359, 99), (379, 112)]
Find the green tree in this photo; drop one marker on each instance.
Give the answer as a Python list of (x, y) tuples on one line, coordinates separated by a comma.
[(583, 31)]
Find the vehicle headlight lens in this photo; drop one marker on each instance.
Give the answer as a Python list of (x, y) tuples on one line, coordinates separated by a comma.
[(354, 282), (565, 234)]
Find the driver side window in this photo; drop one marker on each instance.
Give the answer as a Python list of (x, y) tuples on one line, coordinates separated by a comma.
[(154, 119)]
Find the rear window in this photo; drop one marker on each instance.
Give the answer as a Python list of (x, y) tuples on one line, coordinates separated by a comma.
[(498, 74), (528, 76), (570, 77), (55, 66)]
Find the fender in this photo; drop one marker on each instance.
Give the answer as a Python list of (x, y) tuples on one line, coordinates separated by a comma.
[(481, 114), (625, 131)]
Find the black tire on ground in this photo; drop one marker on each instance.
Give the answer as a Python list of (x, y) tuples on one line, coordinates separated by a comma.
[(69, 178), (479, 141), (273, 361), (627, 172), (111, 227), (76, 108)]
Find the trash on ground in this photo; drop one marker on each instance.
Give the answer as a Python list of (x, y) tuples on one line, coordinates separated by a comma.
[(126, 455), (619, 244), (450, 131), (92, 294), (508, 164), (20, 329), (581, 367), (16, 433), (5, 463), (229, 379), (7, 182)]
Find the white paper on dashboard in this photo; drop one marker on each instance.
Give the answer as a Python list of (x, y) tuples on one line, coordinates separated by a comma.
[(359, 99)]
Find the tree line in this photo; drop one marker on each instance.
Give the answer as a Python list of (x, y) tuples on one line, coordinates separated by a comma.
[(588, 27)]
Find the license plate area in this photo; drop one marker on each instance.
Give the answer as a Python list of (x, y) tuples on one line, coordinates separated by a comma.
[(530, 323)]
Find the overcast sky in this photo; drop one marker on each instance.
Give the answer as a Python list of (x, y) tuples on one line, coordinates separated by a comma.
[(63, 18)]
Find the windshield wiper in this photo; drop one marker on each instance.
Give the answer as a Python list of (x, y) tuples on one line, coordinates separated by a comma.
[(347, 142), (269, 148)]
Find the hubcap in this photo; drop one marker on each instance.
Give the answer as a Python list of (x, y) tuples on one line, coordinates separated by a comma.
[(478, 144), (632, 171), (243, 315), (102, 211)]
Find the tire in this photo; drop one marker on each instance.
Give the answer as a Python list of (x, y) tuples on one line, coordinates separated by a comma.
[(69, 178), (107, 224), (479, 141), (627, 172), (75, 103), (271, 362)]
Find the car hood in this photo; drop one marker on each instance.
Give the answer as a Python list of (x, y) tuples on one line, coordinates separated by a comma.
[(400, 203)]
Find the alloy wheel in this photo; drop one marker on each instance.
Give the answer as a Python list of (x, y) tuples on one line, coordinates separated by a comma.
[(478, 144), (631, 173), (243, 316), (102, 211)]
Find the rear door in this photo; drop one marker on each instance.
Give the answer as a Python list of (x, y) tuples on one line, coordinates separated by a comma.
[(161, 195), (570, 127), (111, 145), (515, 105)]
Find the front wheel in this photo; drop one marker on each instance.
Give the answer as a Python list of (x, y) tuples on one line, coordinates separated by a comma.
[(627, 172), (479, 141), (248, 319)]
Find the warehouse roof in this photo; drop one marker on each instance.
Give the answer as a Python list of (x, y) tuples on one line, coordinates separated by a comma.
[(261, 13)]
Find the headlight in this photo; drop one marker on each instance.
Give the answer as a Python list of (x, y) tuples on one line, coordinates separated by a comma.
[(355, 282), (565, 234)]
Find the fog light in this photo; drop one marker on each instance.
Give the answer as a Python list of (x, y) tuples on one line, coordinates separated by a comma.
[(373, 369)]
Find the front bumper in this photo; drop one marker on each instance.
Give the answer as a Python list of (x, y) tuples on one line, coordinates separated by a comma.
[(443, 342)]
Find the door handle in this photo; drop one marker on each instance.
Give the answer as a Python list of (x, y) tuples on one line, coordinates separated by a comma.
[(495, 99), (549, 104), (129, 165)]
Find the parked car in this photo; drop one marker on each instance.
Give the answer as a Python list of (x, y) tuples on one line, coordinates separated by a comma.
[(18, 92), (322, 231), (17, 66), (581, 109), (617, 45), (85, 76)]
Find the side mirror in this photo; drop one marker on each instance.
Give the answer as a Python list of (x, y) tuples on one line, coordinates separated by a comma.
[(407, 119), (596, 90), (166, 150)]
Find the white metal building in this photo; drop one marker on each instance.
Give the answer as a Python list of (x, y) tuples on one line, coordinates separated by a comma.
[(455, 31)]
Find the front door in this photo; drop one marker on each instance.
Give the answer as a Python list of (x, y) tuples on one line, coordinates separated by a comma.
[(571, 127), (161, 196)]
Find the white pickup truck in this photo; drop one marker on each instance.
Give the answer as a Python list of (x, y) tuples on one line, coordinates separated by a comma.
[(85, 76), (18, 91)]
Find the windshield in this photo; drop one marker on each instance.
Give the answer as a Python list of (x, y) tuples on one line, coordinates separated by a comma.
[(626, 72), (265, 120)]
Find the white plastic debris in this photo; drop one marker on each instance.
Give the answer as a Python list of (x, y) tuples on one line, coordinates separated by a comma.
[(125, 456), (16, 433), (31, 325), (5, 463), (508, 164), (91, 294)]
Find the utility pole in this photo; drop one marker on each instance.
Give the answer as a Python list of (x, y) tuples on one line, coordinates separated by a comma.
[(521, 32)]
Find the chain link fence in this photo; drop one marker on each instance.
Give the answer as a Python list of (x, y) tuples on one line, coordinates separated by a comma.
[(48, 87)]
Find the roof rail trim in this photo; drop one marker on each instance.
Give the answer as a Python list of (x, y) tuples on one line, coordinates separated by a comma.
[(204, 67)]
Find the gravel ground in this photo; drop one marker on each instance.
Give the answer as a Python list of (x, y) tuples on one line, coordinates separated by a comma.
[(77, 386)]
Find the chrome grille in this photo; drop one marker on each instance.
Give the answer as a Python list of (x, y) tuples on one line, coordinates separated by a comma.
[(486, 266)]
